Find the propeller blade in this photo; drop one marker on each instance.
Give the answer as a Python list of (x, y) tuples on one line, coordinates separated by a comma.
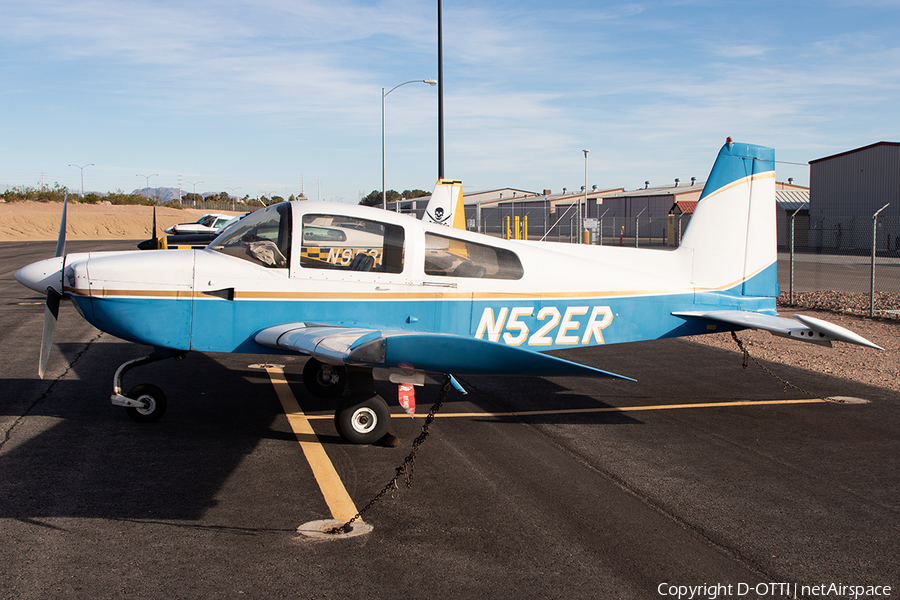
[(154, 221), (51, 313), (61, 240)]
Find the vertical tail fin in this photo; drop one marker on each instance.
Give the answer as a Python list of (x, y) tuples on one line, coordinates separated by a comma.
[(732, 234), (446, 205)]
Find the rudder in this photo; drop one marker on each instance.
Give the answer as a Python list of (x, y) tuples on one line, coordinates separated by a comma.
[(446, 205), (732, 234)]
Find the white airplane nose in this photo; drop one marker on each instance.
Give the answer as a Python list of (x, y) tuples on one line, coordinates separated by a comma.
[(42, 274)]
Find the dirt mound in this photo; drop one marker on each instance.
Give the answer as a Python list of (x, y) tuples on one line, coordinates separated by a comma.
[(38, 221)]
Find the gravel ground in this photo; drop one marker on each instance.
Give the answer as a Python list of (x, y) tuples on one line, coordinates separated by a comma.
[(848, 361)]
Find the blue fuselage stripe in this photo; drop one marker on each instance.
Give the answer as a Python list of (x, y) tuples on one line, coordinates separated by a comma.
[(219, 325)]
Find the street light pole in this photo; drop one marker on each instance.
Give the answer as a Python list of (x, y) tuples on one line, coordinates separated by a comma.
[(440, 91), (580, 219), (233, 190), (82, 175), (874, 234), (148, 180), (194, 192), (384, 95)]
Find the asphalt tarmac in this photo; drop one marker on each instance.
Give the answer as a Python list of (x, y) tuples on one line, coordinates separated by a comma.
[(567, 498)]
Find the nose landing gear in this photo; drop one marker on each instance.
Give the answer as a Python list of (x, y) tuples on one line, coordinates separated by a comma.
[(145, 403), (151, 403)]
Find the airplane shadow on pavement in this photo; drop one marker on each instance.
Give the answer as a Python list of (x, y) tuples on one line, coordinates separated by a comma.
[(76, 455)]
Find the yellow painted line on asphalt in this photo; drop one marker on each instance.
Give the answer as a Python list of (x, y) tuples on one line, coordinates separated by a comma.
[(336, 496), (605, 409)]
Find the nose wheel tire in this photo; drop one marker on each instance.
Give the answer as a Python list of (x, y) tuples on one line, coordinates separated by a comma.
[(363, 420), (153, 402)]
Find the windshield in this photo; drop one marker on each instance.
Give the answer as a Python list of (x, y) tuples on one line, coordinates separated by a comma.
[(263, 237)]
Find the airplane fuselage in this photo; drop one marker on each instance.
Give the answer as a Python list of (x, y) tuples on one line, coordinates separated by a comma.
[(551, 296)]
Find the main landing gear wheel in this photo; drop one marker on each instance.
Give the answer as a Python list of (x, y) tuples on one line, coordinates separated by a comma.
[(324, 380), (363, 420), (153, 400)]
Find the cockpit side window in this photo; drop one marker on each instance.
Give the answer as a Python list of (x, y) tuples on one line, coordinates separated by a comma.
[(263, 237), (351, 244), (451, 257)]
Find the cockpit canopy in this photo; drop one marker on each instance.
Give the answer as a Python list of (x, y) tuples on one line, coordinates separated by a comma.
[(334, 241), (263, 237)]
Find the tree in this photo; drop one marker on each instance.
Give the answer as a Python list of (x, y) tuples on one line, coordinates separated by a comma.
[(120, 197), (374, 198)]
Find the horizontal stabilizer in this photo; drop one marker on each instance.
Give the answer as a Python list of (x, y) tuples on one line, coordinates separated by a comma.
[(835, 331), (806, 329), (433, 352)]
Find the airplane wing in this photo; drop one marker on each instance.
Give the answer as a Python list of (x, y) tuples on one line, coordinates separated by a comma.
[(434, 352), (807, 329)]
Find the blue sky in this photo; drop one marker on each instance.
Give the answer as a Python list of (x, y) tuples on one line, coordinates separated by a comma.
[(272, 96)]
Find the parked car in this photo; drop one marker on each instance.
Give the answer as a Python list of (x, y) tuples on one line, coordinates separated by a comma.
[(206, 224), (181, 241)]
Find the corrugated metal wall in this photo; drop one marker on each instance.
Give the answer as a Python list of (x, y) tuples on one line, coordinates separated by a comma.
[(845, 191), (856, 183)]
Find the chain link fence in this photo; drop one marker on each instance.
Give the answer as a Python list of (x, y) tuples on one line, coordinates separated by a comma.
[(849, 242), (233, 206), (536, 224), (850, 257)]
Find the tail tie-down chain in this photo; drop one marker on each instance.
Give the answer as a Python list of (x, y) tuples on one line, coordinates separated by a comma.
[(785, 382)]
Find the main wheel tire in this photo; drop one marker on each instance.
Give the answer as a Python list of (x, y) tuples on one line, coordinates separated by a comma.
[(324, 380), (363, 421), (154, 403)]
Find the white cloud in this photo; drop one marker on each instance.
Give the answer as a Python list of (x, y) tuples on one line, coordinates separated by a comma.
[(527, 85), (745, 51)]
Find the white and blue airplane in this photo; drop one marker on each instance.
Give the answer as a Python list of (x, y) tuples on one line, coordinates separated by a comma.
[(358, 288)]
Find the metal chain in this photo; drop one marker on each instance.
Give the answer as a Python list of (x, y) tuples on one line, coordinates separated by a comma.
[(407, 467), (785, 382)]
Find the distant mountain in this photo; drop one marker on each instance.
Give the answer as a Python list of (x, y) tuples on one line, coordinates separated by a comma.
[(166, 193)]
